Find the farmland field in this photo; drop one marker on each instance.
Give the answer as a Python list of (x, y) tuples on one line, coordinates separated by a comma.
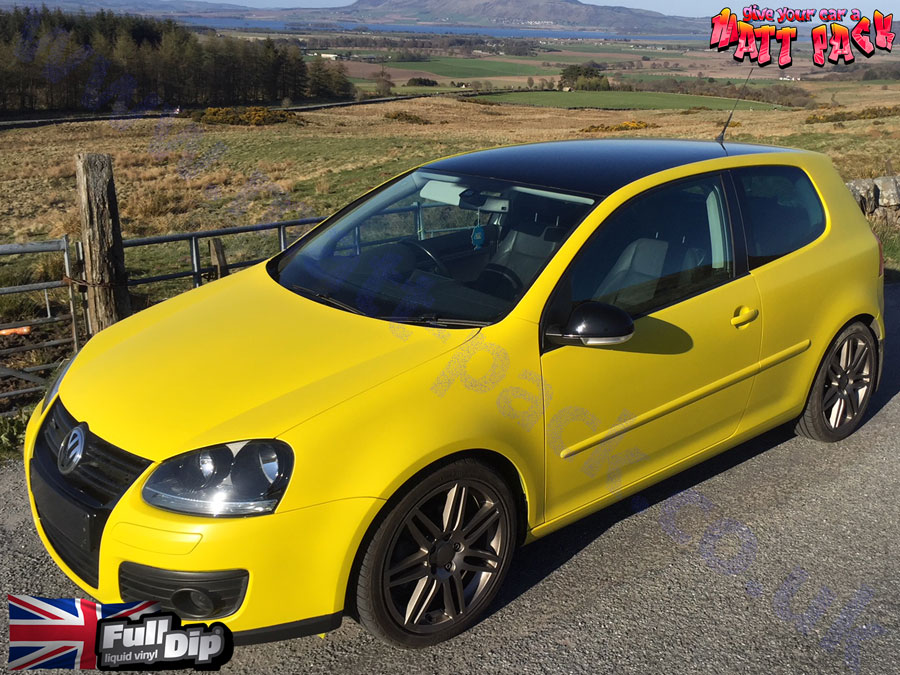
[(332, 155), (592, 47), (475, 68), (622, 100), (622, 60)]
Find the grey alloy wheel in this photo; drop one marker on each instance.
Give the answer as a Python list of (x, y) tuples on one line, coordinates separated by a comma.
[(843, 386), (848, 381), (439, 557)]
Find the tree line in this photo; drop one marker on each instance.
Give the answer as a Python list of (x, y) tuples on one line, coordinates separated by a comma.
[(589, 76), (51, 60), (864, 71), (461, 44)]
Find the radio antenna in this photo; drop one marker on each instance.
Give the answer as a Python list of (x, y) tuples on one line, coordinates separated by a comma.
[(720, 139)]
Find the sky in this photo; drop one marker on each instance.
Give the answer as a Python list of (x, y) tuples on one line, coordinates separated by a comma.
[(676, 7)]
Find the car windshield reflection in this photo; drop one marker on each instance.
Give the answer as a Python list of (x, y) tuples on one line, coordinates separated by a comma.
[(433, 248)]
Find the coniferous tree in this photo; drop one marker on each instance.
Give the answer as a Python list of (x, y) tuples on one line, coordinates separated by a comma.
[(104, 61), (318, 84)]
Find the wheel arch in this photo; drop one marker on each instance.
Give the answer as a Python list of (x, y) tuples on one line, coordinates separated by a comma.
[(877, 332), (497, 461), (871, 323), (866, 319)]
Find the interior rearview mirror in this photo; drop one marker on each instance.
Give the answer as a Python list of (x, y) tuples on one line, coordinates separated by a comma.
[(593, 324)]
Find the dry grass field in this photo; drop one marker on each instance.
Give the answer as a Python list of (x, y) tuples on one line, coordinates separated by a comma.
[(293, 170)]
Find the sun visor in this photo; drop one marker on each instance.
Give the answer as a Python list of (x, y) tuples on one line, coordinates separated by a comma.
[(464, 197)]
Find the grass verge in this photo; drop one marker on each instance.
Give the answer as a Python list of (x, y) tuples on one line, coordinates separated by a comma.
[(12, 433)]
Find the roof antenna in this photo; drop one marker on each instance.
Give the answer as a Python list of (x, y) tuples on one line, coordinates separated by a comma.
[(720, 139)]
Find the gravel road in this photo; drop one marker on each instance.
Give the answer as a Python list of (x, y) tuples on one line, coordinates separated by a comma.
[(780, 556)]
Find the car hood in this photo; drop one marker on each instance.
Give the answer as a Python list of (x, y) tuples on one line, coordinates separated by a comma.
[(239, 358)]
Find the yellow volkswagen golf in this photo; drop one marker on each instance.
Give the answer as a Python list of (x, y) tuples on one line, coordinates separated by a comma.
[(473, 355)]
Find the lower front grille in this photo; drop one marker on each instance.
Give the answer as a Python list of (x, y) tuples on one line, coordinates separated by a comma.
[(81, 561), (223, 590)]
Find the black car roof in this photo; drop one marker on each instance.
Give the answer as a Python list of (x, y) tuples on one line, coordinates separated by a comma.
[(594, 167)]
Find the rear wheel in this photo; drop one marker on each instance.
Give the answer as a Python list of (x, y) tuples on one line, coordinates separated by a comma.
[(439, 557), (843, 387)]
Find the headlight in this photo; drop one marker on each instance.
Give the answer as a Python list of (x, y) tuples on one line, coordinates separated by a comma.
[(54, 388), (235, 479)]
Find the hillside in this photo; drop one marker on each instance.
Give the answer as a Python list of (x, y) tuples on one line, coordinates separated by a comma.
[(516, 13), (569, 13), (143, 7)]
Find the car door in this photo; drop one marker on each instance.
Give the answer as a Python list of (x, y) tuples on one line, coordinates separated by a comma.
[(616, 414)]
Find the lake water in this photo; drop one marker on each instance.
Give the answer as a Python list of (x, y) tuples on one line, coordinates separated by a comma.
[(283, 26)]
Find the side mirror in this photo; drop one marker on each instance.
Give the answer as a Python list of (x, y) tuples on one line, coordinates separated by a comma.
[(593, 324)]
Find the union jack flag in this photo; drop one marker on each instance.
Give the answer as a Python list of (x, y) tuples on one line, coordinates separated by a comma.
[(60, 633)]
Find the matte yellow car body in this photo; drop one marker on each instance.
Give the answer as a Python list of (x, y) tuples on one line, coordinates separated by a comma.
[(366, 404)]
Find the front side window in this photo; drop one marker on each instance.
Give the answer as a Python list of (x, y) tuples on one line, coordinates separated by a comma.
[(780, 208), (659, 248), (433, 247)]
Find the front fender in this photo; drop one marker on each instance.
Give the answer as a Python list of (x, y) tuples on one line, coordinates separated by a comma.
[(484, 395)]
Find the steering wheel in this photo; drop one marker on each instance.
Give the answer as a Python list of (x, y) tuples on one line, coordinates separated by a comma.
[(514, 284), (439, 265)]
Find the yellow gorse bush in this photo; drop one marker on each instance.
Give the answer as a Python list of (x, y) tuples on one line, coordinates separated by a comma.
[(847, 115), (255, 116), (630, 125)]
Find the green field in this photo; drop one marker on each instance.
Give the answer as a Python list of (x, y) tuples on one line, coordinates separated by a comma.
[(621, 47), (592, 47), (401, 89), (555, 57), (622, 100), (475, 68), (650, 77)]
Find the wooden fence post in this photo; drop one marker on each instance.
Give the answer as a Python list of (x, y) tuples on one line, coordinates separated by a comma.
[(217, 254), (104, 256)]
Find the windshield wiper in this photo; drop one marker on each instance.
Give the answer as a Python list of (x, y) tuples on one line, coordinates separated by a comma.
[(426, 319), (435, 320), (326, 299)]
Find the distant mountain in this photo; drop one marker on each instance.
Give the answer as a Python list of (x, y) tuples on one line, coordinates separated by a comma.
[(150, 7), (568, 13), (519, 13)]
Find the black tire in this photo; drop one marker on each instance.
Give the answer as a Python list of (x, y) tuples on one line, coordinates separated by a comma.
[(439, 556), (842, 389)]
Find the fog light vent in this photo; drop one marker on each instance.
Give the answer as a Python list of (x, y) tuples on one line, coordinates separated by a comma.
[(193, 603), (191, 595)]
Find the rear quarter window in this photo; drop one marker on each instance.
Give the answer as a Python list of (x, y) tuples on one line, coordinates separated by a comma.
[(780, 208)]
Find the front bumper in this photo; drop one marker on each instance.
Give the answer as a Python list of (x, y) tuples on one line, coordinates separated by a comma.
[(297, 561)]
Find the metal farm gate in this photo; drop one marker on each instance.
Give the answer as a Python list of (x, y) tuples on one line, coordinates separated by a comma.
[(26, 365)]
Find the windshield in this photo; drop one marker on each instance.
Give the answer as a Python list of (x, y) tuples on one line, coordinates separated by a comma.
[(433, 248)]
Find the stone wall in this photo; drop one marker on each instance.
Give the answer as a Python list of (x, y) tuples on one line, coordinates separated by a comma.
[(879, 199)]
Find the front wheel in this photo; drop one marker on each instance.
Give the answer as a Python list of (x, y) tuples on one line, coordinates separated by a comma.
[(439, 556), (843, 387)]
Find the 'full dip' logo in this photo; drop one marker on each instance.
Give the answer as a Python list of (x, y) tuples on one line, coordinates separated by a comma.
[(71, 450), (159, 640)]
